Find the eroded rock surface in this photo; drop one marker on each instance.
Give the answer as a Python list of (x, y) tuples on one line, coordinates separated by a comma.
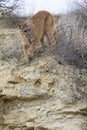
[(47, 94)]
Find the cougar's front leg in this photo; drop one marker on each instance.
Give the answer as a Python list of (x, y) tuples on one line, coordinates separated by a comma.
[(32, 49), (24, 43), (25, 50)]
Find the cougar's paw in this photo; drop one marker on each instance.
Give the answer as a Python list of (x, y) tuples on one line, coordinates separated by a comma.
[(53, 42)]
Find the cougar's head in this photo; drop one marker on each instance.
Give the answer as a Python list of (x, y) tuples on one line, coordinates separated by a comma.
[(27, 30)]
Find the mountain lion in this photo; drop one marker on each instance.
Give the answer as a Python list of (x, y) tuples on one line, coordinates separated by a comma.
[(33, 30)]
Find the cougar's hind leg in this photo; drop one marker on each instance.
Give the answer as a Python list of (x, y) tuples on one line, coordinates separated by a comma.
[(50, 37), (43, 42), (56, 35)]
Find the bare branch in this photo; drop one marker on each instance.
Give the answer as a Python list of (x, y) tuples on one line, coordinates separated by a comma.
[(8, 5)]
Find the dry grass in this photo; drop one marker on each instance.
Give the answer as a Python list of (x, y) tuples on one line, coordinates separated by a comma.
[(70, 49)]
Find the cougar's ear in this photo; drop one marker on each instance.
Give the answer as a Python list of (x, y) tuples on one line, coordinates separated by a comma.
[(20, 26)]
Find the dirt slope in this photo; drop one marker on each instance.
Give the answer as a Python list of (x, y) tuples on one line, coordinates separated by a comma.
[(50, 93)]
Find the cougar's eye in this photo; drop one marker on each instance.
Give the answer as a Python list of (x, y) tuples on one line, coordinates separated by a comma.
[(29, 29), (25, 31)]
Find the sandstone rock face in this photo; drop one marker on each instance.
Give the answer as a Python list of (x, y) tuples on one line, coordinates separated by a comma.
[(47, 94), (44, 95)]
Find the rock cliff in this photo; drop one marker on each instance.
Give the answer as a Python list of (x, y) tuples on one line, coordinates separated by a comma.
[(50, 93)]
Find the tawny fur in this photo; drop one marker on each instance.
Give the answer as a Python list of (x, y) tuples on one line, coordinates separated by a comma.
[(33, 30)]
